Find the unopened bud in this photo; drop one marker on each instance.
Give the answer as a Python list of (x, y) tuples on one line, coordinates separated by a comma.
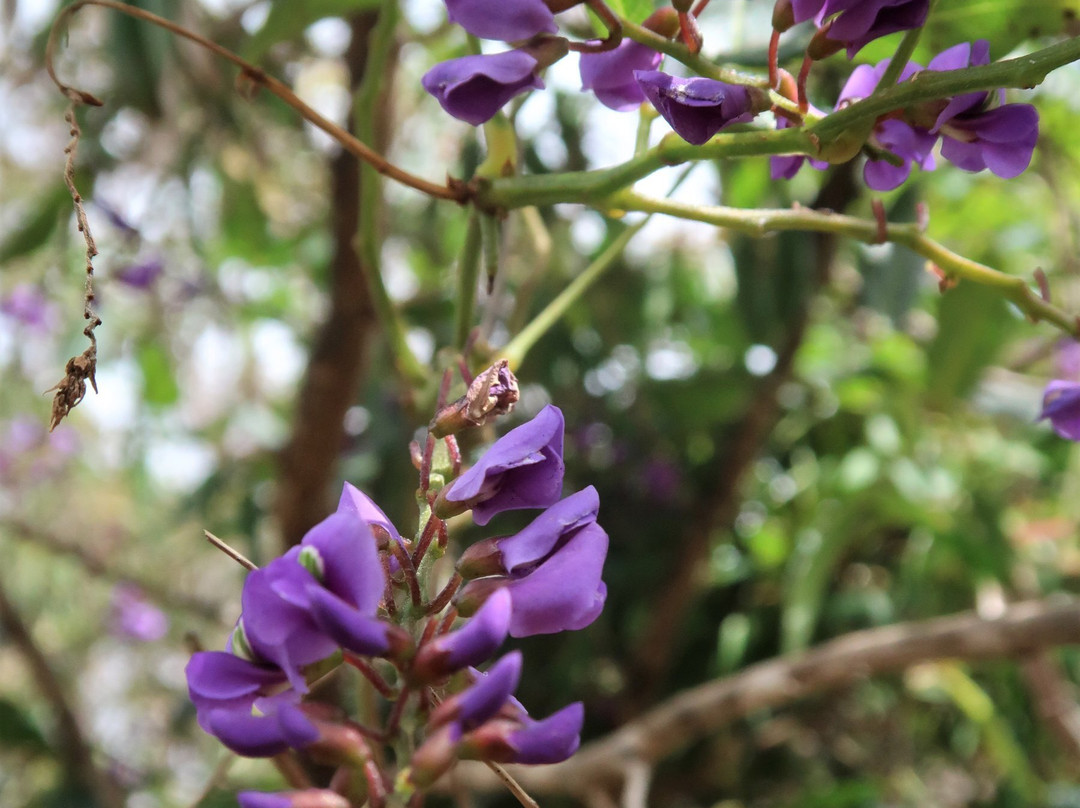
[(821, 46), (436, 754), (338, 743), (663, 21), (308, 798), (682, 6), (493, 392), (783, 15), (482, 559), (474, 594), (546, 50)]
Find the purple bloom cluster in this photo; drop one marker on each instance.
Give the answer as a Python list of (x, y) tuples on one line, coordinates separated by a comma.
[(1061, 405), (696, 108), (975, 134), (335, 593)]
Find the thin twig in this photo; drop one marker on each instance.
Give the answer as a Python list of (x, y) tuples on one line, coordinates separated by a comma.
[(82, 368), (232, 553), (454, 191), (513, 785), (74, 751)]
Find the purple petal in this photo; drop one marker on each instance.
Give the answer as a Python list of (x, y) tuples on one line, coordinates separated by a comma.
[(246, 734), (1061, 404), (882, 175), (474, 88), (497, 19), (356, 501), (565, 592), (350, 559), (220, 675), (523, 469), (348, 626), (610, 74), (555, 738), (474, 642), (696, 108), (484, 697), (540, 536)]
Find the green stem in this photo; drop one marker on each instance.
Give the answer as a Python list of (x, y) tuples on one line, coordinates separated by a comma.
[(365, 114), (520, 345), (468, 270), (954, 266), (586, 186), (900, 59), (583, 186), (680, 53), (489, 233)]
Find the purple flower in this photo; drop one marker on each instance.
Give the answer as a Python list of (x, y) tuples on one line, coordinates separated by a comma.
[(293, 618), (141, 275), (858, 22), (1061, 404), (912, 144), (308, 798), (474, 88), (523, 469), (226, 690), (787, 166), (27, 305), (518, 553), (132, 615), (975, 137), (498, 19), (696, 108), (525, 740), (482, 699), (1067, 358), (564, 591), (610, 74), (470, 645)]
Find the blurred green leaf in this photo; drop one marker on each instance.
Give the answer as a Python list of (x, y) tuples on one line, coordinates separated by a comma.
[(160, 387), (288, 19), (18, 731), (38, 226)]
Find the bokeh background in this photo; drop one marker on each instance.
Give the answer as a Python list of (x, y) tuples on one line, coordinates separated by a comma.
[(793, 437)]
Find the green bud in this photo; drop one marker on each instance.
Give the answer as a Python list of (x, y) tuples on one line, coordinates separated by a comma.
[(311, 561)]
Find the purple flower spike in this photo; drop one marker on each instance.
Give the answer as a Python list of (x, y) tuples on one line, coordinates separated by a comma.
[(910, 143), (497, 19), (610, 74), (471, 644), (308, 798), (474, 88), (551, 740), (523, 469), (696, 108), (1061, 404)]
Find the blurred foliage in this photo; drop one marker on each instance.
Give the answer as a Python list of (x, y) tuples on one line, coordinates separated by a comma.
[(900, 477)]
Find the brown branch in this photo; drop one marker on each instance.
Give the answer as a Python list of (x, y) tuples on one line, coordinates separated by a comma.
[(258, 78), (1020, 631), (107, 568), (73, 750), (339, 356)]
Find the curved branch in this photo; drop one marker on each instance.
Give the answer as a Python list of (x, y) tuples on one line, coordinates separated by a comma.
[(258, 78), (1019, 631), (953, 267)]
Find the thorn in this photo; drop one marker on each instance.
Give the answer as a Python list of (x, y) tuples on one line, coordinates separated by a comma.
[(1044, 283), (882, 223)]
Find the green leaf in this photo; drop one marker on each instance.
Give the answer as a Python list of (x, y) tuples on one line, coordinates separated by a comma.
[(18, 731), (39, 226), (973, 322), (159, 385)]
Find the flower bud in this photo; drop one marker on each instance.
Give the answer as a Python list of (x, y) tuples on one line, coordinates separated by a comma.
[(482, 559), (308, 798), (783, 16), (663, 21), (493, 392), (821, 46)]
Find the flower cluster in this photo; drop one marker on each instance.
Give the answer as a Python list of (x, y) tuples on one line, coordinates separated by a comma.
[(976, 130), (353, 591), (852, 24)]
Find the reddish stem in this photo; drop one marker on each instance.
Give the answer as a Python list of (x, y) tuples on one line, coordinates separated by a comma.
[(425, 463), (408, 570), (429, 631), (430, 529), (370, 674), (878, 207), (804, 71), (774, 59), (455, 454), (700, 7), (376, 785), (463, 369), (394, 721), (447, 621), (444, 534), (443, 597), (388, 598)]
